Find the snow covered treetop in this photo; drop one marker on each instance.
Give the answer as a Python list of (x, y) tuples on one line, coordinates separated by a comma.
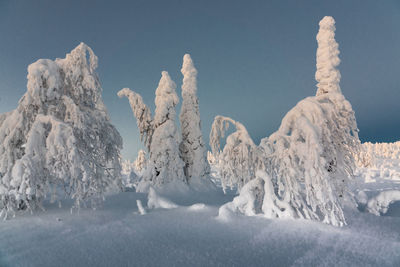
[(189, 73), (327, 23), (166, 99), (75, 74), (78, 57), (327, 75)]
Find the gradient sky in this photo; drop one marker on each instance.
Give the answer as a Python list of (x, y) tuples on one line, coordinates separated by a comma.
[(256, 59)]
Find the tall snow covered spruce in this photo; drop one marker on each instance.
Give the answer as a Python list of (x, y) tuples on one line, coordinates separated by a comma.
[(310, 159), (59, 136), (192, 147), (165, 164), (327, 75)]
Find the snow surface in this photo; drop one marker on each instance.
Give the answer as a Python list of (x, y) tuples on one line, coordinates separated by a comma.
[(192, 235)]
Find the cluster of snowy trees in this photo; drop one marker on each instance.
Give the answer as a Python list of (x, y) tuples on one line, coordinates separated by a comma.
[(59, 140), (303, 169), (173, 156)]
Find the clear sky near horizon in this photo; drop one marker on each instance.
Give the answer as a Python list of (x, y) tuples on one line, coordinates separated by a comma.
[(256, 59)]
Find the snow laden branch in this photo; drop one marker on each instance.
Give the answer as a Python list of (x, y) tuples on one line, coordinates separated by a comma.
[(240, 157), (327, 74), (192, 147), (142, 114)]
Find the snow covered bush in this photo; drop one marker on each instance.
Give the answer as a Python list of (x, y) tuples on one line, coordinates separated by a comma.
[(310, 159), (59, 136), (192, 147)]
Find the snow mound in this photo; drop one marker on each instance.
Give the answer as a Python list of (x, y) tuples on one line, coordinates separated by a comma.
[(257, 197), (155, 201), (197, 207), (380, 203)]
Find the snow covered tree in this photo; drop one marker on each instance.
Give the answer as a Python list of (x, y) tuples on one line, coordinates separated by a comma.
[(192, 148), (140, 162), (239, 159), (165, 164), (327, 75), (161, 134), (59, 136), (310, 159)]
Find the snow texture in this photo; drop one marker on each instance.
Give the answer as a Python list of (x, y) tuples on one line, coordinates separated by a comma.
[(192, 147), (117, 235), (59, 137)]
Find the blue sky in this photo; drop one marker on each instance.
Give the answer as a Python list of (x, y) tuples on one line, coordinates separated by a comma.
[(256, 59)]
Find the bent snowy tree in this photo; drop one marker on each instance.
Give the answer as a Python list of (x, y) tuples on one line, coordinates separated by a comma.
[(309, 160), (240, 157), (60, 136)]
